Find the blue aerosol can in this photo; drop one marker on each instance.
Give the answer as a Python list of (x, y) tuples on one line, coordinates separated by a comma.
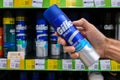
[(55, 46), (41, 37), (21, 33), (23, 76), (35, 76), (51, 76), (63, 25)]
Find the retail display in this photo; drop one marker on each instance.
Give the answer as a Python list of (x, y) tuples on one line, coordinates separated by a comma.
[(25, 29)]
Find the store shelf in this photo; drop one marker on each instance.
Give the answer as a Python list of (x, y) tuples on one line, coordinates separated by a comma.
[(60, 3), (57, 65), (29, 66)]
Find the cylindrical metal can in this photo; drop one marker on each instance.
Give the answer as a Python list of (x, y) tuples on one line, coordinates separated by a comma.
[(63, 25)]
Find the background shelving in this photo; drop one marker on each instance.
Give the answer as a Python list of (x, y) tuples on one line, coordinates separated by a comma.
[(98, 12), (52, 75), (103, 12), (107, 16)]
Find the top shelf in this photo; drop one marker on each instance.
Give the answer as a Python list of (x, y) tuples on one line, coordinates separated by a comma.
[(60, 3)]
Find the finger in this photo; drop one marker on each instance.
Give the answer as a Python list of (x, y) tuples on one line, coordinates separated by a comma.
[(80, 28), (82, 31), (74, 55), (82, 23), (69, 49), (61, 41), (78, 22), (56, 34)]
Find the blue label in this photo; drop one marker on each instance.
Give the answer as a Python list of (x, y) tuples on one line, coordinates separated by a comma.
[(42, 32), (46, 46), (69, 32), (21, 30), (9, 44), (24, 44), (53, 37), (57, 45)]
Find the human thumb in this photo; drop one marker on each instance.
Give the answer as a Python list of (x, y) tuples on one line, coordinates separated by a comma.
[(82, 23)]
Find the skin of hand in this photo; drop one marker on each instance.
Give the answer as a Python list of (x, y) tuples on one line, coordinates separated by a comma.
[(91, 33)]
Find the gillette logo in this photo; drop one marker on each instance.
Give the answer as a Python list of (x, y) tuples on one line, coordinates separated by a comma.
[(20, 27), (64, 30), (64, 26), (41, 27)]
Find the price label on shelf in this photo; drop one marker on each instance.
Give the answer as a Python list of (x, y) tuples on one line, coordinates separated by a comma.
[(115, 3), (67, 64), (3, 63), (37, 3), (7, 3), (55, 2), (52, 64), (88, 3), (115, 65), (19, 55), (79, 65), (99, 3), (15, 63), (94, 66), (40, 64), (105, 65), (70, 3), (22, 3), (30, 64), (16, 60)]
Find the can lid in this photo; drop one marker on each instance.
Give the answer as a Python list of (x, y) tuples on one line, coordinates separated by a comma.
[(20, 18), (41, 21), (52, 13)]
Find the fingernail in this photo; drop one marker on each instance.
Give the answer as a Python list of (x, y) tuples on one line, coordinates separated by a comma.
[(77, 54), (73, 48)]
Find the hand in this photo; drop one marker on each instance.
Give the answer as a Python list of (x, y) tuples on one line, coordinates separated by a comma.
[(93, 35)]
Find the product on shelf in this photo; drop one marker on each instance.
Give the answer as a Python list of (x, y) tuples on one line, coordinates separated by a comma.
[(9, 32), (63, 25), (111, 75), (35, 76), (23, 76), (55, 46), (117, 28), (21, 32), (51, 76), (41, 37), (1, 41), (109, 29), (95, 76)]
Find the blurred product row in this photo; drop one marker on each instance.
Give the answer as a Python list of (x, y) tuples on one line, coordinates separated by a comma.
[(17, 36), (27, 31), (36, 75)]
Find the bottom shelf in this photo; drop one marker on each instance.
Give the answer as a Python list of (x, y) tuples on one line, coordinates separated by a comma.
[(57, 65), (58, 75)]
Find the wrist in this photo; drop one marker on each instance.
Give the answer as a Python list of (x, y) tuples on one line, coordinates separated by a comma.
[(107, 48), (112, 50)]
